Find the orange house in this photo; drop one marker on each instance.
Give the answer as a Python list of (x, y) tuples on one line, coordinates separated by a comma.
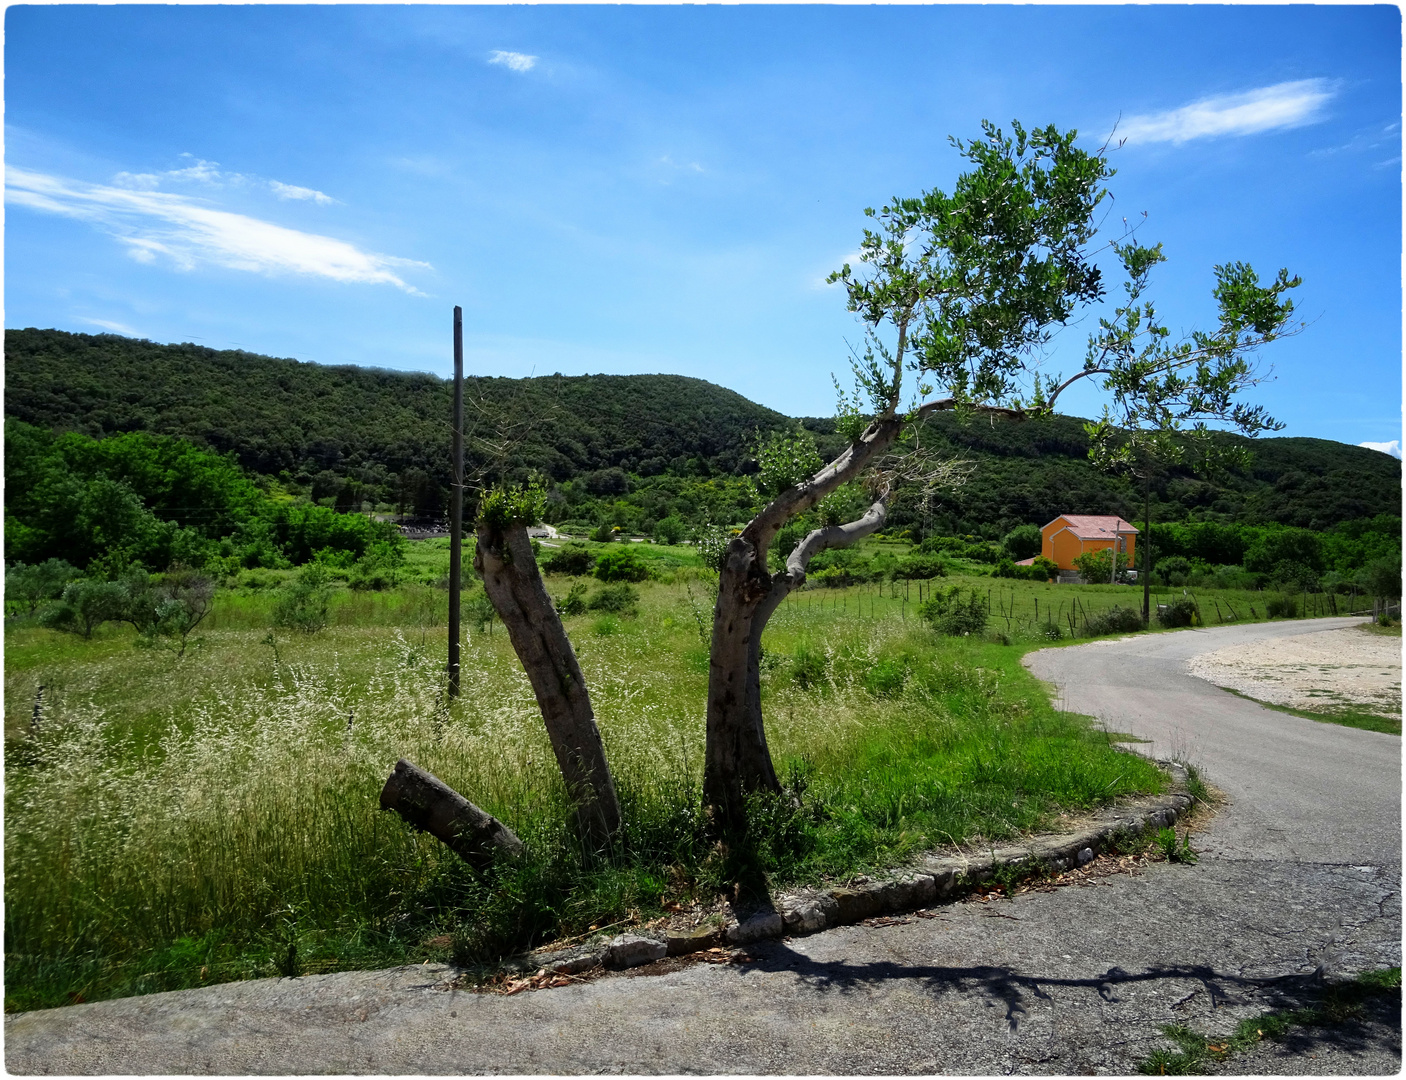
[(1070, 535)]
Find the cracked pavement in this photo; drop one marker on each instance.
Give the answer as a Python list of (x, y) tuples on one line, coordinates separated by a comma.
[(1299, 879)]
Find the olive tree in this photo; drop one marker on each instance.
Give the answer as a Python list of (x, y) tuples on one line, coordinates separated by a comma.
[(955, 290)]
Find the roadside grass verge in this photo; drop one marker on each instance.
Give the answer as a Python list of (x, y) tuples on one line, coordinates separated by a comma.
[(1338, 1004), (1387, 725), (172, 823)]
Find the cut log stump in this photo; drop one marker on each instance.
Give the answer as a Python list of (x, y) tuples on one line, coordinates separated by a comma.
[(430, 805)]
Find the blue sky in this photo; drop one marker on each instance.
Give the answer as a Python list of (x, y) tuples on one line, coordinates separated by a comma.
[(640, 189)]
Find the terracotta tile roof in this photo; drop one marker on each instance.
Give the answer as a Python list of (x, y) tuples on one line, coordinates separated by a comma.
[(1095, 526), (1026, 562)]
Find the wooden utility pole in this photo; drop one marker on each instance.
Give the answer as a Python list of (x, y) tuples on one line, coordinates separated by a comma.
[(456, 505)]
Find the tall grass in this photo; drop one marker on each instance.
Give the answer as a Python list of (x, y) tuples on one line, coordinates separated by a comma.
[(173, 822)]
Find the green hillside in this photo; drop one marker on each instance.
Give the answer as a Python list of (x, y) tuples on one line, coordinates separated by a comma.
[(279, 415), (632, 449)]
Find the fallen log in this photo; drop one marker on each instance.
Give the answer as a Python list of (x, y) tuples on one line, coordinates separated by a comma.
[(430, 805)]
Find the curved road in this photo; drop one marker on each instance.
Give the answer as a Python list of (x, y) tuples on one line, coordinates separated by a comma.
[(1300, 876), (1301, 789)]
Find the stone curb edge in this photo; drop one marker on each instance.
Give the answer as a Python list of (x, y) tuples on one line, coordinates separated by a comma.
[(932, 879)]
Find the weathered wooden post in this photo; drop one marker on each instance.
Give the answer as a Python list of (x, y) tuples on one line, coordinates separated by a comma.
[(456, 505)]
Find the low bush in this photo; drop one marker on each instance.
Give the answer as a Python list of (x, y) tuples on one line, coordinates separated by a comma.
[(810, 666), (1173, 570), (921, 565), (670, 530), (887, 677), (1116, 620), (302, 602), (953, 615), (1183, 612), (621, 564), (835, 577), (86, 605), (573, 559), (478, 610), (575, 602), (29, 586), (620, 599), (1282, 607)]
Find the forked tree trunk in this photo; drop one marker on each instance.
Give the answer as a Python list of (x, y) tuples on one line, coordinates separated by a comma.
[(736, 759), (514, 585)]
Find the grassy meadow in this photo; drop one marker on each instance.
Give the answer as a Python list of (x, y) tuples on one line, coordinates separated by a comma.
[(176, 822)]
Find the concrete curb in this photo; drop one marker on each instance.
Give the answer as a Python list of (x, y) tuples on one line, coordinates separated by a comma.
[(931, 879)]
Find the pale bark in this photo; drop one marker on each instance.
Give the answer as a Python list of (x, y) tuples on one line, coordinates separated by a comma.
[(514, 585), (432, 806), (736, 758)]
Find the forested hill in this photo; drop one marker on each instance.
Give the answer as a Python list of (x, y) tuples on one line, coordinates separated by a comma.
[(625, 443), (277, 414)]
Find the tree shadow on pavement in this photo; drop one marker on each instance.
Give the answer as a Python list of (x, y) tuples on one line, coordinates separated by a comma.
[(1000, 984)]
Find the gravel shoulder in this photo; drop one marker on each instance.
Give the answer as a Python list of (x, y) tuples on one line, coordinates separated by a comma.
[(1321, 671)]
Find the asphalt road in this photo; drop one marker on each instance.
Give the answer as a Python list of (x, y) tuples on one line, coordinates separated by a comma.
[(1300, 879)]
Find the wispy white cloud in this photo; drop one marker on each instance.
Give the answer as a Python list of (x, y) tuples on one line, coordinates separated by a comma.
[(1284, 105), (1393, 448), (691, 166), (293, 191), (513, 61), (209, 174), (206, 172), (1373, 141), (108, 324), (158, 225)]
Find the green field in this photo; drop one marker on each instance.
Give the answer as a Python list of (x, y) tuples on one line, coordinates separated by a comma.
[(178, 822)]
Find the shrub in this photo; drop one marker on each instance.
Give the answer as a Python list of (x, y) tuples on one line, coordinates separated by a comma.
[(302, 602), (1095, 566), (575, 602), (377, 569), (32, 585), (1282, 607), (622, 564), (1382, 578), (1172, 570), (86, 605), (1007, 568), (1116, 620), (670, 530), (1023, 541), (1183, 612), (834, 577), (810, 667), (1043, 569), (604, 533), (169, 611), (712, 541), (950, 614), (574, 559), (619, 598)]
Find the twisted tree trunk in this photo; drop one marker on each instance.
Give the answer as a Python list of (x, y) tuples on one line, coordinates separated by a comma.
[(514, 585), (736, 758)]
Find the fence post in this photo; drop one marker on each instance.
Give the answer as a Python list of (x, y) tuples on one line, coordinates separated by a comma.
[(456, 505)]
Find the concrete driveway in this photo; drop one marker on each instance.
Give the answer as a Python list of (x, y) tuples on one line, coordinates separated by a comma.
[(1300, 878)]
